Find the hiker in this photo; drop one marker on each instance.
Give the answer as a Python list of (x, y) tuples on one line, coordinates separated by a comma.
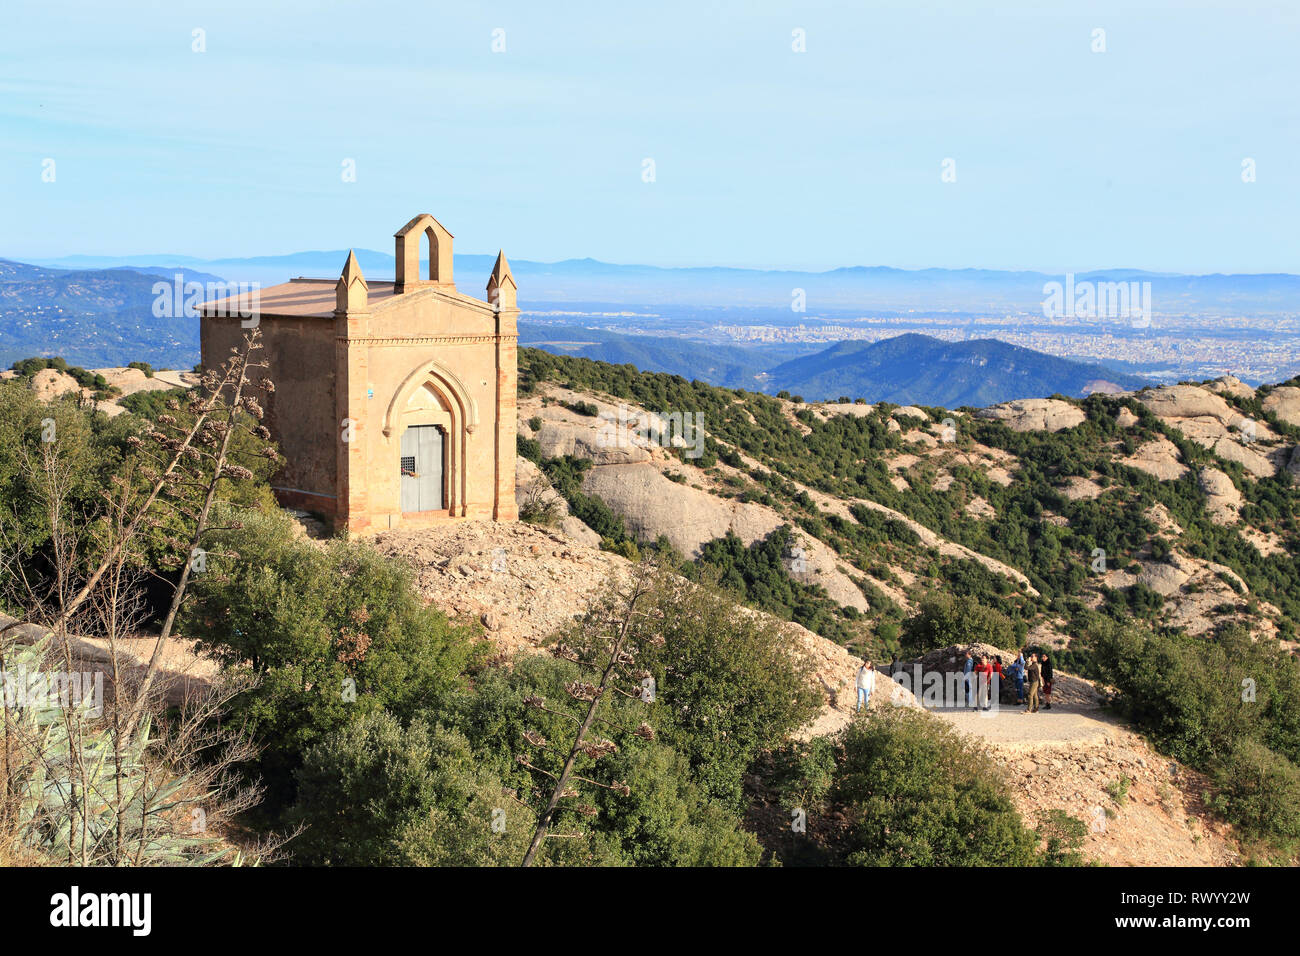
[(985, 674), (1034, 673), (866, 684), (969, 668), (998, 677), (1047, 681), (1018, 668)]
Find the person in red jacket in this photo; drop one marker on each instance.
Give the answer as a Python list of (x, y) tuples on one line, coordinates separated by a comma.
[(996, 693), (984, 677)]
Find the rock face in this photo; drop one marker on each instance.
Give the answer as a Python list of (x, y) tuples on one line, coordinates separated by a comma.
[(1159, 458), (651, 505), (1125, 418), (910, 411), (1188, 401), (49, 383), (1284, 402), (1192, 589), (1223, 500), (131, 380), (1231, 385), (1035, 414), (1207, 419)]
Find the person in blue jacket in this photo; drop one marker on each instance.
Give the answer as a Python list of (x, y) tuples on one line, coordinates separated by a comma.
[(970, 667), (1018, 672)]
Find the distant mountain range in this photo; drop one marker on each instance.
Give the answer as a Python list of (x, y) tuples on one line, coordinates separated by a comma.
[(104, 316), (864, 288), (919, 370), (909, 369)]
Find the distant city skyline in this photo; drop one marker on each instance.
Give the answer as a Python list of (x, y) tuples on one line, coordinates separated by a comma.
[(802, 136)]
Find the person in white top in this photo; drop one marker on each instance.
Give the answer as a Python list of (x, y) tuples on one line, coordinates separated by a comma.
[(866, 684)]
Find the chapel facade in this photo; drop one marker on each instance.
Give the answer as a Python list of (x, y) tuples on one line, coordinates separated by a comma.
[(394, 403)]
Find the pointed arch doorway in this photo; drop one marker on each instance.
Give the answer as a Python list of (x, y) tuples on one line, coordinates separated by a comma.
[(424, 468)]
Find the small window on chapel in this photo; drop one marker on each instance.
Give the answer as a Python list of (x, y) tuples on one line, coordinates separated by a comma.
[(408, 466)]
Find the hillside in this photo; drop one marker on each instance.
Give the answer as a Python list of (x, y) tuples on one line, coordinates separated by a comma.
[(917, 369), (1073, 526), (94, 317), (1012, 504)]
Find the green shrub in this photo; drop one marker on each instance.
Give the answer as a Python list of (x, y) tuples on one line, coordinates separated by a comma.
[(372, 793), (728, 686), (943, 620), (917, 795), (333, 633)]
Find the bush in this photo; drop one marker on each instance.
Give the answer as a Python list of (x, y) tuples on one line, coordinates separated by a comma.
[(1229, 707), (333, 633), (943, 620), (373, 793), (728, 686), (916, 795), (668, 819)]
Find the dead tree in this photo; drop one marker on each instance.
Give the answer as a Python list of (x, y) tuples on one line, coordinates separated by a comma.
[(605, 642)]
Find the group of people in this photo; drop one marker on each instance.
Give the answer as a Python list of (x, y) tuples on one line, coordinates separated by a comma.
[(1032, 673)]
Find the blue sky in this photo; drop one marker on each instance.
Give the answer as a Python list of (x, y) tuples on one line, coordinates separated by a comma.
[(1066, 159)]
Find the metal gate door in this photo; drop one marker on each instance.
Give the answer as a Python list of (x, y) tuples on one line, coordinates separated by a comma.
[(423, 454)]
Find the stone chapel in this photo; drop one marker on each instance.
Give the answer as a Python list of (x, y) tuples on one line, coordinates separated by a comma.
[(394, 402)]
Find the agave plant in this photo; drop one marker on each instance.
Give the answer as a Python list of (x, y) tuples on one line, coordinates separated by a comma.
[(74, 800)]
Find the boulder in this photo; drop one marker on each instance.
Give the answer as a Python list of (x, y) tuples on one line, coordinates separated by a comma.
[(1284, 403), (1188, 401), (1035, 414), (1231, 385), (1159, 458), (1222, 499), (49, 383)]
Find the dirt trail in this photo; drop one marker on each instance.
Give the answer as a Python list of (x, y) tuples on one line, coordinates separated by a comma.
[(1141, 808)]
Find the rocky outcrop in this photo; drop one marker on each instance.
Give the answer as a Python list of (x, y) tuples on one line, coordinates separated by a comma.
[(1207, 419), (1188, 401), (1160, 458), (49, 383), (910, 411), (651, 505), (1222, 499), (1284, 403), (1231, 385), (1035, 414)]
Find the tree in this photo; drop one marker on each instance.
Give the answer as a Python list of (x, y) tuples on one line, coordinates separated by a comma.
[(943, 621)]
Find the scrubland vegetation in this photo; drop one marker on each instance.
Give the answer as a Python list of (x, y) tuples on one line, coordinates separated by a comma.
[(353, 725)]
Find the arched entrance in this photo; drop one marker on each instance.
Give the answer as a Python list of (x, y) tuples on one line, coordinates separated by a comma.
[(430, 419), (423, 468)]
